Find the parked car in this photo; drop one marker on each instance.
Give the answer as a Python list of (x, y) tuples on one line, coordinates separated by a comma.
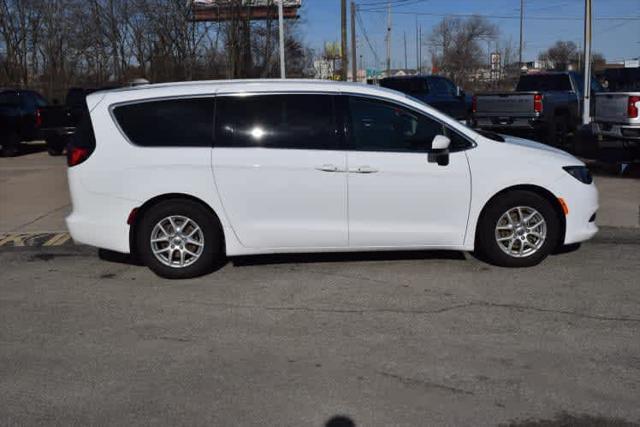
[(617, 122), (19, 118), (548, 105), (437, 91), (59, 122), (183, 174)]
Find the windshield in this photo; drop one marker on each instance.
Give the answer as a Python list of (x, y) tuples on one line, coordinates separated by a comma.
[(10, 98)]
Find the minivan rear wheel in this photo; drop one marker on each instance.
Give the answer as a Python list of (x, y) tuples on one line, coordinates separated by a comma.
[(179, 239), (518, 229)]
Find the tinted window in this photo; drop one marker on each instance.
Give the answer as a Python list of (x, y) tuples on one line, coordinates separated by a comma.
[(411, 85), (381, 126), (544, 82), (168, 123), (276, 121), (84, 136), (442, 86)]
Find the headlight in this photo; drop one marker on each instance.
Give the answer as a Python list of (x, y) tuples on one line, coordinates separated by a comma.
[(581, 173)]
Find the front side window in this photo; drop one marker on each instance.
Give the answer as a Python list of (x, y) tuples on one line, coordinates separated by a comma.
[(168, 123), (381, 126), (295, 121)]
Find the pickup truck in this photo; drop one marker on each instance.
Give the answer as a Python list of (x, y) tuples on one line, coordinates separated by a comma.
[(58, 122), (19, 119), (617, 122), (437, 91), (547, 104)]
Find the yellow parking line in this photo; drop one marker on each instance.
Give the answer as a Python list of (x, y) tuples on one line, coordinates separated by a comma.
[(16, 239), (57, 240), (12, 240)]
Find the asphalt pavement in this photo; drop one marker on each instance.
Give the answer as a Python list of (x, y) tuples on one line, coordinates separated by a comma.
[(416, 338)]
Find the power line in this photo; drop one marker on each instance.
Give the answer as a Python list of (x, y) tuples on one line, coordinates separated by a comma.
[(363, 29), (539, 18)]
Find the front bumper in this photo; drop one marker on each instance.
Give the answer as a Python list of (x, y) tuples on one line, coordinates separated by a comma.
[(582, 202)]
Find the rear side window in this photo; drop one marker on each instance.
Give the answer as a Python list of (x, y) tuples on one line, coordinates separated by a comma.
[(168, 123), (276, 121), (442, 86), (544, 82)]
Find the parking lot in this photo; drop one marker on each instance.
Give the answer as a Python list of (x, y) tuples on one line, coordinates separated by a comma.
[(418, 338)]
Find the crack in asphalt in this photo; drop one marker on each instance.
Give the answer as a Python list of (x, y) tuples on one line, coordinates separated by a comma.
[(421, 312), (52, 211), (425, 383)]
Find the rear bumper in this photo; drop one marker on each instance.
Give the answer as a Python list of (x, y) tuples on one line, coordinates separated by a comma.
[(607, 131), (517, 123), (48, 133), (98, 220)]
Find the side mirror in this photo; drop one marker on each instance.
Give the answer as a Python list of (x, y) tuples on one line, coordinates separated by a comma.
[(439, 150)]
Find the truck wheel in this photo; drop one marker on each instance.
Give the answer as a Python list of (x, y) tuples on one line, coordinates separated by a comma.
[(557, 131), (9, 146), (55, 146)]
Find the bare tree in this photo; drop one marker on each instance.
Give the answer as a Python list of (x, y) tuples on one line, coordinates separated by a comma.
[(55, 44), (561, 55), (455, 46)]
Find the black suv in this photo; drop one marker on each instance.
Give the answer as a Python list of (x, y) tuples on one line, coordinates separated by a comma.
[(19, 118)]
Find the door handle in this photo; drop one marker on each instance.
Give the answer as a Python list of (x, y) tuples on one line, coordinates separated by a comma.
[(327, 168), (364, 169)]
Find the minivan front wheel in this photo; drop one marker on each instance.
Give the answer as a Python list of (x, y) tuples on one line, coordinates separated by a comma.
[(518, 229), (179, 239)]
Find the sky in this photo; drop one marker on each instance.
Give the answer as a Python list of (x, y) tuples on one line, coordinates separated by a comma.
[(616, 39)]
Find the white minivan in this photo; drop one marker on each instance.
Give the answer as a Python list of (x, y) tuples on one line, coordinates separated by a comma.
[(182, 175)]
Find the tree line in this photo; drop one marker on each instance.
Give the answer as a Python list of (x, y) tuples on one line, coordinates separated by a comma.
[(55, 44)]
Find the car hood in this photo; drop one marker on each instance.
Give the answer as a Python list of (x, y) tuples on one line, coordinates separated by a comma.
[(534, 147)]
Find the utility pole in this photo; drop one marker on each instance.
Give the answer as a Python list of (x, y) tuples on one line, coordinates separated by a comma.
[(521, 28), (389, 39), (343, 47), (405, 50), (417, 51), (586, 103), (354, 63), (283, 74), (420, 49)]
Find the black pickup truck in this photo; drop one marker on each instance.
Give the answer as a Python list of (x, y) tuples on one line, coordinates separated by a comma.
[(437, 91), (547, 104), (19, 119), (58, 122)]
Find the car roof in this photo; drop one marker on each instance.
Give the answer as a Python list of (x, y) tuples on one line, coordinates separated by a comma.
[(213, 87)]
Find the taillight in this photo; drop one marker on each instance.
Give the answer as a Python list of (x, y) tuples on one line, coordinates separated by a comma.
[(77, 155), (632, 108), (474, 104), (537, 103), (38, 118)]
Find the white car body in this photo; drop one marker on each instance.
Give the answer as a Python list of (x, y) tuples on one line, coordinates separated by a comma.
[(277, 201)]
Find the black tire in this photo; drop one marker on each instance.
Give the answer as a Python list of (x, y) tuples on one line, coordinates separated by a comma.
[(557, 131), (10, 146), (212, 252), (55, 146), (487, 246)]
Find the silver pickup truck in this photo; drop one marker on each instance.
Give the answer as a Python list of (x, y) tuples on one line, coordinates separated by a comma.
[(546, 104), (617, 119)]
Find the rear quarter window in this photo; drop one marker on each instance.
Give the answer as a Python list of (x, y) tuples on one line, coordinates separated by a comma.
[(168, 123)]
